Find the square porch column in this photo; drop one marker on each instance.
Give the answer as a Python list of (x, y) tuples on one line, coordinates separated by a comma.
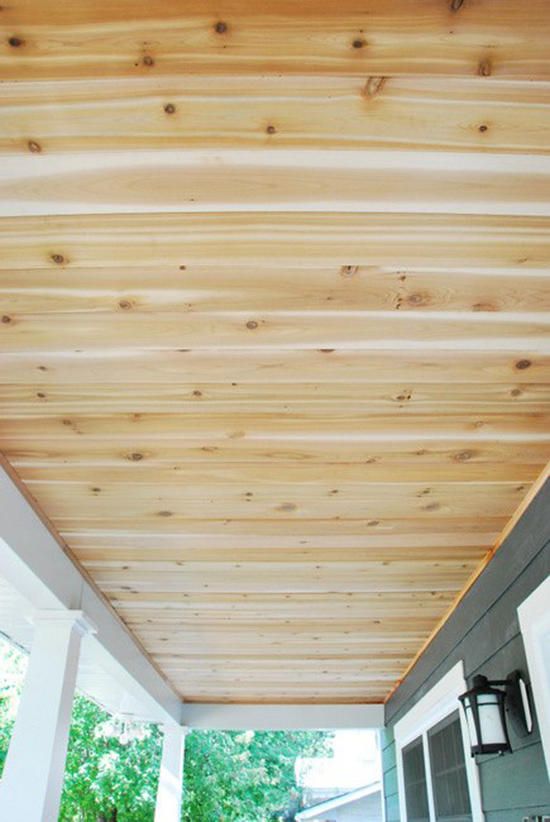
[(30, 789), (170, 788)]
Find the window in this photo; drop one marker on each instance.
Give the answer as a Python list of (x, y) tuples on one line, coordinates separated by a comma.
[(416, 787), (438, 781), (448, 763)]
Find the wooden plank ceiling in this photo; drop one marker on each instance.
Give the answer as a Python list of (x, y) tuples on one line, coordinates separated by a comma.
[(274, 297)]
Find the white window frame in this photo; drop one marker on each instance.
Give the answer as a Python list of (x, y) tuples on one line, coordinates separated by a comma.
[(437, 704), (534, 620)]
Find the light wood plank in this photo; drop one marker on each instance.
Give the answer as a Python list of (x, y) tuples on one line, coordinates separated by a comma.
[(345, 463), (274, 367), (305, 240), (316, 425), (158, 112), (84, 39), (157, 609), (284, 399), (120, 557), (270, 181), (200, 289), (386, 604), (235, 477), (269, 331), (235, 527), (417, 575)]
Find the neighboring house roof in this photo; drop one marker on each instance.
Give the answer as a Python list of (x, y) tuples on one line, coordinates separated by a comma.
[(338, 801)]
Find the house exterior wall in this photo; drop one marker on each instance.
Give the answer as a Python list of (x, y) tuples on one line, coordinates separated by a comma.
[(367, 809), (484, 632)]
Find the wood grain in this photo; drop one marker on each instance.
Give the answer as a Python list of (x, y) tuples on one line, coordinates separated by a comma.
[(307, 112), (87, 39), (274, 318), (271, 287), (305, 239), (175, 180)]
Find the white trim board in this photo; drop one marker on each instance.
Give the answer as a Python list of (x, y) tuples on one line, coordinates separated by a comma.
[(534, 620), (281, 717), (438, 703)]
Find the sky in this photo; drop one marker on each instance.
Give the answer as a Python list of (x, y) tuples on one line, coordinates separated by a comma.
[(355, 762)]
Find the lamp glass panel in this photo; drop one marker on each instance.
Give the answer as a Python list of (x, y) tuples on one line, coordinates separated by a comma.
[(490, 720), (472, 730)]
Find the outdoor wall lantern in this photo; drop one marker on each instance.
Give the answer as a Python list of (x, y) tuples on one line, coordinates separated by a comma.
[(486, 705)]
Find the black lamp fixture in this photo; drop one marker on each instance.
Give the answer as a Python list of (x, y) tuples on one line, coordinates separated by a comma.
[(486, 705)]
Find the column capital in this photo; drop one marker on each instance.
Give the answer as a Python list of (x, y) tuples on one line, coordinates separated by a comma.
[(63, 616)]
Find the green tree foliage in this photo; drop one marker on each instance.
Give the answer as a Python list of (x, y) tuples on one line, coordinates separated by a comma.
[(13, 665), (229, 777), (104, 779), (245, 777)]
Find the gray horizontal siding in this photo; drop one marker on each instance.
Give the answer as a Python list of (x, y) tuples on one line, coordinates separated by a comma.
[(484, 633)]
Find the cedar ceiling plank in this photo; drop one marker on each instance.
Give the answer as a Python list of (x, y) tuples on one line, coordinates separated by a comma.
[(84, 39)]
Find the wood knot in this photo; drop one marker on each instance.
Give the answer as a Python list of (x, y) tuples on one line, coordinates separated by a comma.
[(148, 60), (197, 393), (286, 507), (40, 395), (16, 42), (484, 69), (516, 392), (349, 270), (418, 299), (58, 259), (34, 147), (373, 86), (270, 129), (221, 27), (359, 43), (170, 108), (521, 365), (483, 307), (252, 324), (165, 514), (326, 350), (483, 128), (135, 456), (456, 5), (126, 305), (431, 506), (6, 319), (464, 456)]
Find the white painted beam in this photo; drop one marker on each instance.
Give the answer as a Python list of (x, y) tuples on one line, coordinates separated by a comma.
[(170, 787), (281, 717), (35, 564), (30, 789)]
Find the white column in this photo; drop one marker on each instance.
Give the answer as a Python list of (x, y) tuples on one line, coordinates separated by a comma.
[(30, 789), (170, 789)]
